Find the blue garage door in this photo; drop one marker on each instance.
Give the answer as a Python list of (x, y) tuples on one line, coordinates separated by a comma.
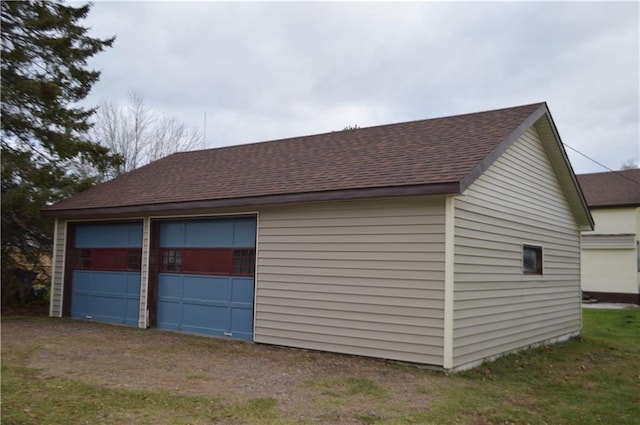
[(206, 278), (106, 260)]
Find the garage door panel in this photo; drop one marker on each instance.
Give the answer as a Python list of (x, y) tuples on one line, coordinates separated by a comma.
[(105, 271), (205, 284), (169, 314), (81, 281), (108, 309), (110, 283), (244, 233), (197, 304), (111, 235), (209, 261), (208, 288), (212, 318), (169, 286), (108, 259), (132, 309), (106, 296), (133, 285), (242, 322), (211, 234), (82, 305), (242, 291), (172, 234)]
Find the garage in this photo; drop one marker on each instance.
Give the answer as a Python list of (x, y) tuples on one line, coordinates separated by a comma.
[(105, 262), (205, 282)]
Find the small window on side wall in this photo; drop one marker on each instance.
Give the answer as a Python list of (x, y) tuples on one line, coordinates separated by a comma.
[(531, 260)]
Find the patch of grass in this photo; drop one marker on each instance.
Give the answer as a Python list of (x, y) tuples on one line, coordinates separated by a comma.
[(368, 418), (335, 387), (330, 403), (594, 379), (589, 380), (619, 329), (199, 378), (352, 397), (258, 410), (28, 398), (214, 345), (365, 387)]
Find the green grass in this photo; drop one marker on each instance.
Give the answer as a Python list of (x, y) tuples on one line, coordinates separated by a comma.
[(28, 398), (334, 387), (594, 379)]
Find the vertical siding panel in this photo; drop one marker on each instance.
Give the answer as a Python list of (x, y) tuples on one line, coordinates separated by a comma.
[(143, 320), (449, 281), (57, 267), (497, 308), (356, 277)]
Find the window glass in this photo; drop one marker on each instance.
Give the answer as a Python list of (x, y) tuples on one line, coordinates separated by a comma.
[(171, 260), (532, 259), (244, 261), (135, 259), (84, 259)]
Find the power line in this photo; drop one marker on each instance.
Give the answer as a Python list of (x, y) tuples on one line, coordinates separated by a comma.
[(618, 172)]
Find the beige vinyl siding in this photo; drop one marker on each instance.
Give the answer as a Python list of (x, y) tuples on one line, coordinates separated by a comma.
[(57, 268), (517, 201), (355, 277)]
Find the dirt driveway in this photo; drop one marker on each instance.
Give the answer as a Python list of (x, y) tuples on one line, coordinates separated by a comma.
[(232, 371)]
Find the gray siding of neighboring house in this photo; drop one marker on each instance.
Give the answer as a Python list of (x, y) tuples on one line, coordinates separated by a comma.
[(57, 268), (517, 201), (355, 277)]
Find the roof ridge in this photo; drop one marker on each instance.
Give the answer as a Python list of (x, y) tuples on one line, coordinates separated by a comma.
[(377, 126)]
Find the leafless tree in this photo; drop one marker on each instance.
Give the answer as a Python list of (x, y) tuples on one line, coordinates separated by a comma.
[(139, 134), (169, 135), (629, 164)]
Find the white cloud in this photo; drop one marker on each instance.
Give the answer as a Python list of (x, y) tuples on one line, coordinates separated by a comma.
[(267, 70)]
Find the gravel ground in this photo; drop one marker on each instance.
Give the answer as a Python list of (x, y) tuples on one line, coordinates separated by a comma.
[(154, 360)]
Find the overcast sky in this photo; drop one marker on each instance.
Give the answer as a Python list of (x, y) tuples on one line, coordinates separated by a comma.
[(263, 71)]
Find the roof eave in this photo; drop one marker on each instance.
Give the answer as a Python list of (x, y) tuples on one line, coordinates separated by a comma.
[(483, 165), (567, 177), (446, 188), (542, 120), (618, 205)]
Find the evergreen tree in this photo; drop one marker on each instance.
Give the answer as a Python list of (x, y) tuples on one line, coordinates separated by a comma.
[(44, 131)]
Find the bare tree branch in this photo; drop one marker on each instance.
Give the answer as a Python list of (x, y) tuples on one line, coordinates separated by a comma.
[(139, 134)]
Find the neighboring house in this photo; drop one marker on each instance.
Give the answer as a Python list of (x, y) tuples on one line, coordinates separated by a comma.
[(444, 242), (610, 253)]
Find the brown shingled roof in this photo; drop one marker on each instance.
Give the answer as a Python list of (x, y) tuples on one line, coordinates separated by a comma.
[(611, 189), (434, 154)]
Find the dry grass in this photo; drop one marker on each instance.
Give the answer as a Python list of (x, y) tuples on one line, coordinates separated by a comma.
[(65, 371)]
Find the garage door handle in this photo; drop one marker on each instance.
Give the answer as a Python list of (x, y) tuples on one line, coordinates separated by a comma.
[(228, 334)]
